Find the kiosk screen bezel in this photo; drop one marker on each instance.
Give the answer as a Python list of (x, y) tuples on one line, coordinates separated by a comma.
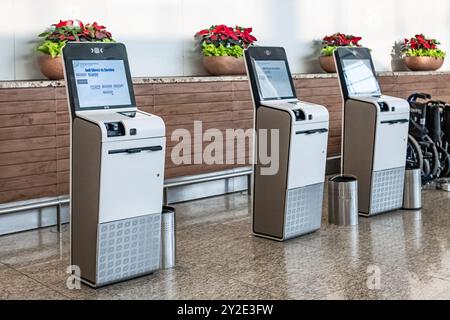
[(76, 51), (266, 54), (359, 53)]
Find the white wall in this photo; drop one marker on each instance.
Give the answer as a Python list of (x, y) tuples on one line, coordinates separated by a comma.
[(159, 33)]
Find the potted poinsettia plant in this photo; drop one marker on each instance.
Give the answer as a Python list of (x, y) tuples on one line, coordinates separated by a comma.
[(223, 48), (330, 44), (55, 38), (422, 53)]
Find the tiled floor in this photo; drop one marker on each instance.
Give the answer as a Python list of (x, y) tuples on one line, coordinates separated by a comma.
[(218, 258)]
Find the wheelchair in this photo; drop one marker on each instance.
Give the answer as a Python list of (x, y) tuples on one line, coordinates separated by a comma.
[(437, 126), (422, 152)]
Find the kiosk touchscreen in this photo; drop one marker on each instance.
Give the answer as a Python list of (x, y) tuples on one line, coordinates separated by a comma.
[(287, 202), (117, 168), (375, 133)]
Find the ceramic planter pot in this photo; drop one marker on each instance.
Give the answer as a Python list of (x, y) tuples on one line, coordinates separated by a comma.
[(52, 68), (221, 66), (327, 64), (424, 63)]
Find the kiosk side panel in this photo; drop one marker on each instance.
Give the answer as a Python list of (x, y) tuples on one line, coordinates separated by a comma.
[(358, 148), (86, 154), (270, 190)]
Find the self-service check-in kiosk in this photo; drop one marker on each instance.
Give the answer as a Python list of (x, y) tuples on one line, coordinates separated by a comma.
[(117, 168), (375, 132), (288, 203)]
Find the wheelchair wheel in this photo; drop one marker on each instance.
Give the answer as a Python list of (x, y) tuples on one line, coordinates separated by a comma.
[(444, 159), (426, 178), (435, 164), (414, 156)]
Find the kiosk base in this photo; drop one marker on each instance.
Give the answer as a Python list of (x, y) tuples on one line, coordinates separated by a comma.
[(387, 191), (97, 286), (131, 246), (303, 211), (126, 249)]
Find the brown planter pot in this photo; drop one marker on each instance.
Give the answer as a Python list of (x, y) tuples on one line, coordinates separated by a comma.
[(52, 68), (327, 64), (424, 63), (220, 66)]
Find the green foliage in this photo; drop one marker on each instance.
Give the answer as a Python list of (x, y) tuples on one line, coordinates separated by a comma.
[(52, 48), (328, 50), (211, 50), (435, 53)]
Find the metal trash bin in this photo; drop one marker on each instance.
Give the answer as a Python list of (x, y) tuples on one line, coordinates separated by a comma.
[(168, 238), (412, 194), (343, 200)]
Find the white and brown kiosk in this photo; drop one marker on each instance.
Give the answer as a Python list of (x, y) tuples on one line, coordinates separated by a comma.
[(375, 133), (288, 203), (117, 168)]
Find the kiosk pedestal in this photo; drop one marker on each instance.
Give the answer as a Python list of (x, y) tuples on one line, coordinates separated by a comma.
[(117, 168)]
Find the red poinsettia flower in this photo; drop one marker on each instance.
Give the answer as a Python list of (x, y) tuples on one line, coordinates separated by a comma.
[(61, 23), (341, 39), (219, 29), (420, 38), (420, 42), (356, 40), (228, 36), (75, 30), (203, 32), (97, 27)]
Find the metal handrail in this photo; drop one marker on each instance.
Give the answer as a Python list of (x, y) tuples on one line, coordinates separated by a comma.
[(208, 177), (35, 204)]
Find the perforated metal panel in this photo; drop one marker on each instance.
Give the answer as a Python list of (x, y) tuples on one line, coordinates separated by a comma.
[(387, 190), (303, 211), (128, 248)]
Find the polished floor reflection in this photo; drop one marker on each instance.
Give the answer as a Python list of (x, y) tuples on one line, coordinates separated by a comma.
[(400, 255)]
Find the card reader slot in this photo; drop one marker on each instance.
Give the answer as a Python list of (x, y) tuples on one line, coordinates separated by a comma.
[(136, 150), (312, 131), (395, 121)]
